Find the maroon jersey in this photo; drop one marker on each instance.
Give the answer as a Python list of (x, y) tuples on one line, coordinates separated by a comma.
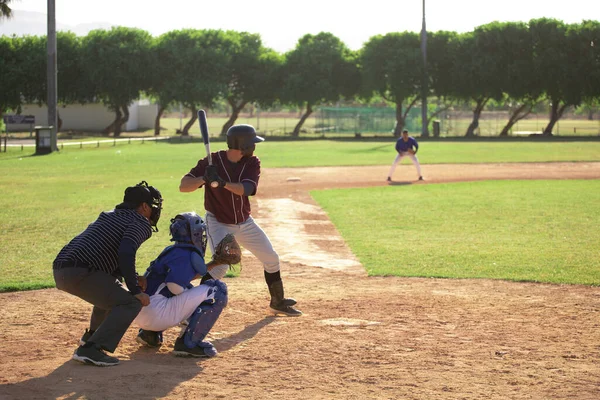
[(226, 206)]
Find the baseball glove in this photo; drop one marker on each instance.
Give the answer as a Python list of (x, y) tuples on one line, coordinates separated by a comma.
[(228, 251)]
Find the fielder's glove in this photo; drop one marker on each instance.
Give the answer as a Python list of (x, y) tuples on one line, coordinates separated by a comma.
[(228, 252)]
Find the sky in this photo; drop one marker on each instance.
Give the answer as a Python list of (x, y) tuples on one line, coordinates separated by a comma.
[(281, 23)]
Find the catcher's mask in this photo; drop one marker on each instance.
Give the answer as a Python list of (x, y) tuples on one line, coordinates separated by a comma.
[(189, 227), (143, 193), (243, 137)]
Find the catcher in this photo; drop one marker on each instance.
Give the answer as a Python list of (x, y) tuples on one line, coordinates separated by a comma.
[(174, 300)]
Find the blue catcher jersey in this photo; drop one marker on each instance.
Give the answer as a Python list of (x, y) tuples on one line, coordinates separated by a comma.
[(179, 264)]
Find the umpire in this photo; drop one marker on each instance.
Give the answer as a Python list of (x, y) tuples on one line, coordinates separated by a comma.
[(92, 265)]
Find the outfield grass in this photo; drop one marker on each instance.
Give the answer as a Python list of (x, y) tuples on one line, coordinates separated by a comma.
[(47, 200), (303, 153), (542, 231)]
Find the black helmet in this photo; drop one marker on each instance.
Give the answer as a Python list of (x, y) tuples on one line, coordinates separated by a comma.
[(243, 137), (143, 193)]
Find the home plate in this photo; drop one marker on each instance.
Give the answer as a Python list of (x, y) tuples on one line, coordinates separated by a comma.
[(293, 179), (348, 322)]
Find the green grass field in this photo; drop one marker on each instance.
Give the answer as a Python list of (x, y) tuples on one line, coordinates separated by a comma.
[(49, 199), (283, 153), (542, 231)]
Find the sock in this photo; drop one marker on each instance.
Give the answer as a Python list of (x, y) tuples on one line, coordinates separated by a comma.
[(272, 277)]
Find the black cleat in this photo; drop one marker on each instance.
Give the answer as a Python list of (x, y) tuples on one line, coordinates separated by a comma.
[(94, 356), (285, 310), (420, 178), (86, 336), (389, 179), (149, 338), (205, 349), (289, 302)]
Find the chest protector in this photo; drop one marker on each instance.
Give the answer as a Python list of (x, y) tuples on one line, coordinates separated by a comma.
[(180, 254)]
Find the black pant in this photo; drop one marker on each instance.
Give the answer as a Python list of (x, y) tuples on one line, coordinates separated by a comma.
[(114, 307)]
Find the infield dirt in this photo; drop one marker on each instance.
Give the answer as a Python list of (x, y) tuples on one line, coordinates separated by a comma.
[(359, 338)]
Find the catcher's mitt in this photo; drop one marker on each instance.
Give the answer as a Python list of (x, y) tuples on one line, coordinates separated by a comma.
[(228, 251)]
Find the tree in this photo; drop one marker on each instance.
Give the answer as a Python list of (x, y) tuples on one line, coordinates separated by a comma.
[(475, 71), (392, 66), (555, 67), (515, 68), (10, 78), (584, 43), (320, 69), (195, 72), (5, 10), (116, 61), (255, 75), (440, 60), (73, 85)]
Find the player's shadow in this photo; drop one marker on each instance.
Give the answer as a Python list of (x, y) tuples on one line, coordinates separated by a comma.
[(229, 342), (399, 183), (131, 378)]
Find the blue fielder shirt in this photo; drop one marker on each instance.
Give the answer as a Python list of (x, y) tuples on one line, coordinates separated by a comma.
[(402, 146)]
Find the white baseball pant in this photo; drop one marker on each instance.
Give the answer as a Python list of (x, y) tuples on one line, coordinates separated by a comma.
[(399, 158), (163, 313), (249, 235)]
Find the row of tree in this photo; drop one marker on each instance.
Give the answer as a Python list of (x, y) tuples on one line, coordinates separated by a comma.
[(517, 63)]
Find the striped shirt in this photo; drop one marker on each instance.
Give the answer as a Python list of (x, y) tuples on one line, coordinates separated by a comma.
[(98, 245), (227, 207)]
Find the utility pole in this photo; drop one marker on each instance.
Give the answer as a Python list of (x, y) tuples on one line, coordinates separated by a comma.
[(51, 74), (424, 79)]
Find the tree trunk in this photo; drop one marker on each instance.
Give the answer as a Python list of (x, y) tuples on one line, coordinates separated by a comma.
[(476, 114), (123, 119), (188, 125), (400, 121), (304, 117), (517, 115), (435, 114), (590, 115), (112, 127), (556, 111), (161, 110), (59, 121), (235, 113)]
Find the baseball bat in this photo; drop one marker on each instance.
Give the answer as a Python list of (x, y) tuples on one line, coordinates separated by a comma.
[(204, 132)]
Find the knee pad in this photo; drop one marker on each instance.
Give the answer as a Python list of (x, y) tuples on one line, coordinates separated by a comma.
[(206, 315)]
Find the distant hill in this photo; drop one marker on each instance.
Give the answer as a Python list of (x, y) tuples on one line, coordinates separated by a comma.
[(34, 23)]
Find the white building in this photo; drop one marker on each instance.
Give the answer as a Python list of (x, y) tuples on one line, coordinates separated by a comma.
[(91, 117)]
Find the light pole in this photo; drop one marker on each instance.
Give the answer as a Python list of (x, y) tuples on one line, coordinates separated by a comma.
[(424, 130), (51, 74)]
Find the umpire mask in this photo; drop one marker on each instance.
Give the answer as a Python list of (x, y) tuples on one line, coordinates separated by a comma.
[(143, 193)]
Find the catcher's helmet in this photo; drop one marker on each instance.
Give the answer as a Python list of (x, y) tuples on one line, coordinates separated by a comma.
[(243, 137), (189, 227), (143, 193)]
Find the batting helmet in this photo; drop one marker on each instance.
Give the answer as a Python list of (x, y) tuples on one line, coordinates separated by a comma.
[(189, 227), (243, 137), (143, 193)]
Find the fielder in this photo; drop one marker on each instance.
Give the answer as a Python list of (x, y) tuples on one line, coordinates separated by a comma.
[(237, 171), (174, 300), (406, 146)]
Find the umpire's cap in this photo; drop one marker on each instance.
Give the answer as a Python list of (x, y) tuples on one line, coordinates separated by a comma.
[(141, 193)]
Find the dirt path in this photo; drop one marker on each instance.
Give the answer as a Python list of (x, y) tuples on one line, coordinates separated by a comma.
[(360, 337)]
